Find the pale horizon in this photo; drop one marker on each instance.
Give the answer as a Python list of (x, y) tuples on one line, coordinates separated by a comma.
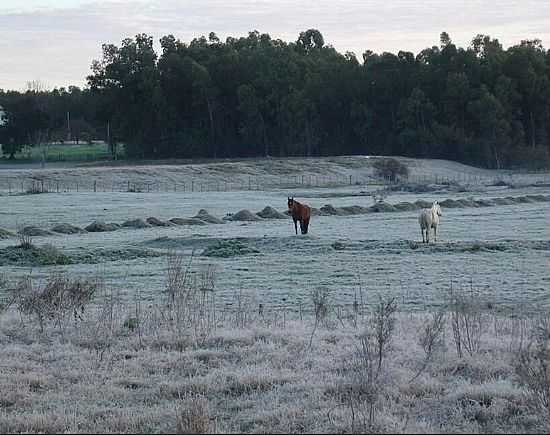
[(55, 42)]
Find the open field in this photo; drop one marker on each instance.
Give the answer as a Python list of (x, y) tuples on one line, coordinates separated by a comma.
[(57, 152), (244, 174), (261, 358)]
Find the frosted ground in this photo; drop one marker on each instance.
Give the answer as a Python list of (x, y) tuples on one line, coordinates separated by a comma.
[(500, 251), (129, 367)]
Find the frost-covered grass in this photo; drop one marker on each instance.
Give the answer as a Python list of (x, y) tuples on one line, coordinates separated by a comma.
[(166, 368)]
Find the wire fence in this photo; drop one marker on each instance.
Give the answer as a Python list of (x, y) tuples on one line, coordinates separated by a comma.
[(45, 184)]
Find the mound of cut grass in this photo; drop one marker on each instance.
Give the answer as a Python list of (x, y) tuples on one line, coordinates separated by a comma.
[(99, 227), (5, 234), (270, 213), (136, 223), (34, 232), (382, 207), (203, 215), (243, 216), (157, 222), (67, 229), (187, 221)]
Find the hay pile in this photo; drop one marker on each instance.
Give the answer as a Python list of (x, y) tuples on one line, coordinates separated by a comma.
[(67, 229), (34, 232), (5, 234), (382, 207), (136, 223), (270, 213), (203, 215), (153, 221), (100, 227), (243, 216), (187, 221)]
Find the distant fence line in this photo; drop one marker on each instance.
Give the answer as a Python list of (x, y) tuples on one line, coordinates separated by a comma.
[(45, 184)]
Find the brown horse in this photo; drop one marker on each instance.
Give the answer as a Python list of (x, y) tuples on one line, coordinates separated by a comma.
[(299, 212)]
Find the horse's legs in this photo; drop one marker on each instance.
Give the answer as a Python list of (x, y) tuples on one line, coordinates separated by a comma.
[(422, 231), (435, 233), (306, 224), (296, 226)]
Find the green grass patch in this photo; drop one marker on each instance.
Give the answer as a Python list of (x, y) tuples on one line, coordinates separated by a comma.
[(106, 255), (46, 255), (229, 248), (69, 152)]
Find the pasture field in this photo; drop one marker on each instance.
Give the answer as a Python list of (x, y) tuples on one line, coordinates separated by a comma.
[(503, 250), (71, 152), (278, 344)]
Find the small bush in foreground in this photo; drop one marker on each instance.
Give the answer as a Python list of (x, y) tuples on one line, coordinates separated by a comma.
[(55, 301), (533, 368)]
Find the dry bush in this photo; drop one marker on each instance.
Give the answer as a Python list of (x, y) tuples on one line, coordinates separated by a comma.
[(320, 297), (54, 301), (533, 368), (431, 338), (390, 169), (366, 368), (193, 416), (25, 241), (467, 320), (191, 298)]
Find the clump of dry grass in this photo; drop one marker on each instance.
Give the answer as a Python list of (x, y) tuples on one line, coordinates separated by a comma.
[(193, 416), (54, 300), (533, 368)]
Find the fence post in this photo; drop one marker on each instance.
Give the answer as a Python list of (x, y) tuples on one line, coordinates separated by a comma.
[(350, 180), (95, 186), (9, 186), (192, 185), (249, 183)]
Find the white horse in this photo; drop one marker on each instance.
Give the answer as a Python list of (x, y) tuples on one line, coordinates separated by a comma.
[(428, 219)]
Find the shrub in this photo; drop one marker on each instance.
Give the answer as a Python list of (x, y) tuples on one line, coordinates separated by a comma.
[(54, 301), (467, 320), (533, 368), (25, 241), (191, 298), (390, 169)]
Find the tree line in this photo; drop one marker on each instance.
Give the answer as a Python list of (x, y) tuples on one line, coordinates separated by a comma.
[(258, 96)]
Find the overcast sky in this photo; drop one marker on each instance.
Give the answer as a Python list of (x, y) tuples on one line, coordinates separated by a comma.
[(55, 41)]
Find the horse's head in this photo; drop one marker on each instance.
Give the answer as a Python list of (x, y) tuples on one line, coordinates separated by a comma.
[(436, 208), (290, 203)]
